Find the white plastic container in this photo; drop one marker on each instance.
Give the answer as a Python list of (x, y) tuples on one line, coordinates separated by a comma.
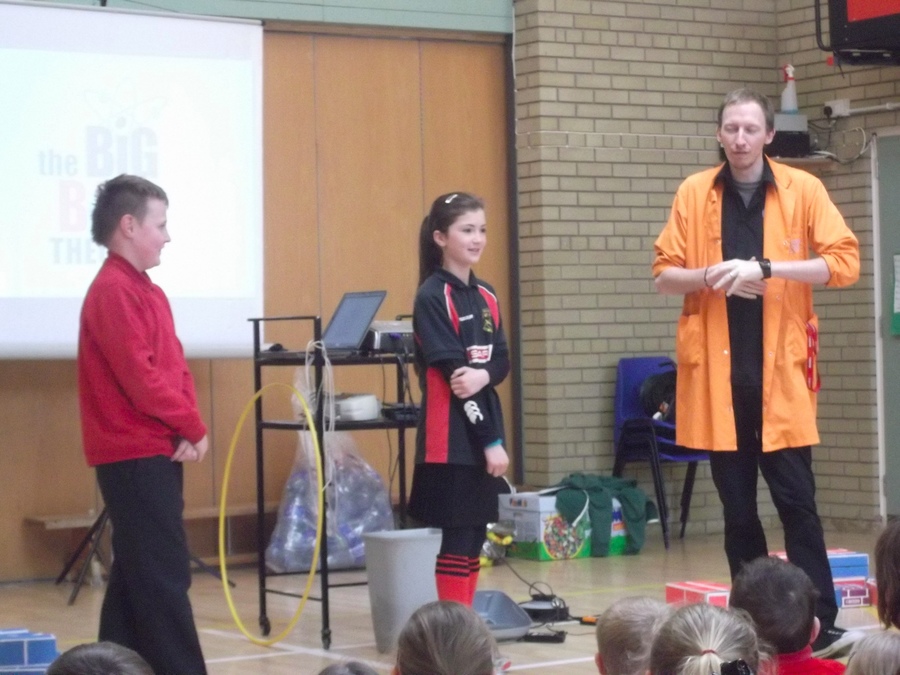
[(789, 95), (400, 566)]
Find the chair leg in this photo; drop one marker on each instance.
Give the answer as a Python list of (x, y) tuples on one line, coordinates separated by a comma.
[(660, 491), (102, 520), (99, 523), (686, 493), (619, 465)]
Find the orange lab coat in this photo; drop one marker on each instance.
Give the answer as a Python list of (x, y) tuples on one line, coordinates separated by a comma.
[(799, 216)]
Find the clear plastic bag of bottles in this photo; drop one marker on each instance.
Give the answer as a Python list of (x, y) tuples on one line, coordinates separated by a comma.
[(357, 501)]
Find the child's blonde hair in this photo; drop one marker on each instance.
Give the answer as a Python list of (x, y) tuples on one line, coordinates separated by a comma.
[(698, 638), (625, 633), (445, 638), (876, 654)]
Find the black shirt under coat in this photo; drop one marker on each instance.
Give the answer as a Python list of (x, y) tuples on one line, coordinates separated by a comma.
[(742, 238)]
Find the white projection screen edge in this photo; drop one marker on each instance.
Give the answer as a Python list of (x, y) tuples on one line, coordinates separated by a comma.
[(90, 93)]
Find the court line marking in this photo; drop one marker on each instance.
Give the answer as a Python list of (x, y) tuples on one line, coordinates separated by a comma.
[(286, 649)]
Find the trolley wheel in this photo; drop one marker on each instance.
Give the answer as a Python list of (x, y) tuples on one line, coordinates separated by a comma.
[(264, 626), (326, 639)]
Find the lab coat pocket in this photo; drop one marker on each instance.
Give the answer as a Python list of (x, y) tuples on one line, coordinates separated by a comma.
[(689, 345)]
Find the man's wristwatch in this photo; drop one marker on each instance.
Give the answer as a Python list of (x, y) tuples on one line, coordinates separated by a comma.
[(766, 266)]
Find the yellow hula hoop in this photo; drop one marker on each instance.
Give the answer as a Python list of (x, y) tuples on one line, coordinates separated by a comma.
[(222, 509)]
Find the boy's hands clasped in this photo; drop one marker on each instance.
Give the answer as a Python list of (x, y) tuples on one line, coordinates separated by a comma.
[(190, 452)]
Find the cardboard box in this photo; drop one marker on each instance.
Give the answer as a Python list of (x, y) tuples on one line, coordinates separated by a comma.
[(873, 591), (541, 533), (844, 563), (689, 592), (852, 592)]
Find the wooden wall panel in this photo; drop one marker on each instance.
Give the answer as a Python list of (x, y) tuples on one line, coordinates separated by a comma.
[(370, 169), (41, 462), (370, 172), (360, 134), (198, 478), (464, 148), (291, 243)]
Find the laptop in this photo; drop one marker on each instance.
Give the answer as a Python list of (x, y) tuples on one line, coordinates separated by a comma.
[(350, 322)]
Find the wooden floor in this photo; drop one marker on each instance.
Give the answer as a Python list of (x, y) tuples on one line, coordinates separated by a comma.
[(587, 586)]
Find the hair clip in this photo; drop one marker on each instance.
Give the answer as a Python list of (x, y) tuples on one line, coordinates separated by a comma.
[(451, 198), (738, 667)]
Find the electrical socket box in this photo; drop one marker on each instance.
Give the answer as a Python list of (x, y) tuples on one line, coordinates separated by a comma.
[(839, 107)]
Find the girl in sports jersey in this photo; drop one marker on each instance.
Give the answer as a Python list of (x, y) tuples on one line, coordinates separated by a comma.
[(461, 356)]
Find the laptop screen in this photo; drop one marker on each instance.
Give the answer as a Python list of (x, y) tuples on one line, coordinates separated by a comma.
[(351, 320)]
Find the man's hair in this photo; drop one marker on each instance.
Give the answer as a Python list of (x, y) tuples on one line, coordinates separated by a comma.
[(697, 639), (100, 658), (747, 95), (120, 196), (625, 632), (875, 654), (781, 600), (887, 574), (445, 638)]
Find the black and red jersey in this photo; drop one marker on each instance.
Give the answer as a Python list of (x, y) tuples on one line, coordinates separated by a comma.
[(458, 324)]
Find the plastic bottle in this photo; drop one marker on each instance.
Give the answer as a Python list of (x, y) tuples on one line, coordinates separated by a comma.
[(789, 95)]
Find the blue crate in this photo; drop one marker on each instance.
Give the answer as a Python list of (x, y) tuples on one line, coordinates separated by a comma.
[(21, 648), (846, 564), (12, 646)]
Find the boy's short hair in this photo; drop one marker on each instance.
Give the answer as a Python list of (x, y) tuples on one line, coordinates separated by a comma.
[(625, 633), (781, 600), (120, 196), (100, 657)]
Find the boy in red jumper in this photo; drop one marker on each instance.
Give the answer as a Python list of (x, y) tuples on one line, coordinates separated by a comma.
[(781, 600), (139, 422)]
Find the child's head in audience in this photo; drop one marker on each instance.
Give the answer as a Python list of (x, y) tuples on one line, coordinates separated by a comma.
[(445, 638), (887, 574), (697, 639), (348, 668), (100, 658), (625, 633), (781, 600), (875, 654)]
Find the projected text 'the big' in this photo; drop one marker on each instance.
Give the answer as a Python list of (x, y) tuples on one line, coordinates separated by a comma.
[(108, 153)]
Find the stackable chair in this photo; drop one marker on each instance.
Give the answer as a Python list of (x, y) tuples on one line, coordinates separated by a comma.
[(640, 438)]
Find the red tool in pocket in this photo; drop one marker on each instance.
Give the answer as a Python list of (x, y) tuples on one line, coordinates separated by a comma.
[(813, 381)]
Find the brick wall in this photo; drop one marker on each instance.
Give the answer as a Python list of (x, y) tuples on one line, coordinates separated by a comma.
[(615, 105)]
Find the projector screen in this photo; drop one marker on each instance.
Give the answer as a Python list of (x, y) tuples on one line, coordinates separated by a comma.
[(90, 93)]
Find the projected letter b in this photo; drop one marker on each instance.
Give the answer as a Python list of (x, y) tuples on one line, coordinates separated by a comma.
[(73, 214), (108, 154)]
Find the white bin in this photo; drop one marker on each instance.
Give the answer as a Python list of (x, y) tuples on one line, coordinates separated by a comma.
[(400, 566)]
